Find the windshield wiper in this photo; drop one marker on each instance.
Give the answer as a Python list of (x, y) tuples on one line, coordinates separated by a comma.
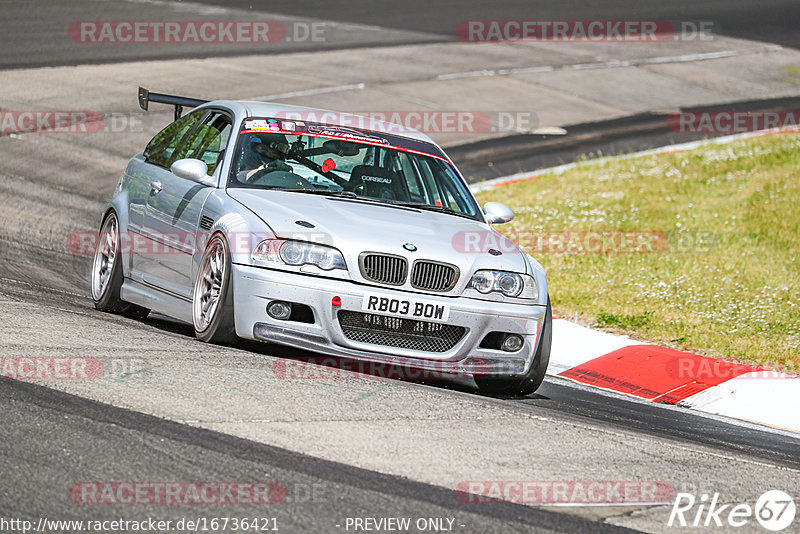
[(350, 194), (431, 207), (325, 192), (341, 193)]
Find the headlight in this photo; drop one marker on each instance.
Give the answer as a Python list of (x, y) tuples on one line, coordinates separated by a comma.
[(298, 253), (513, 285)]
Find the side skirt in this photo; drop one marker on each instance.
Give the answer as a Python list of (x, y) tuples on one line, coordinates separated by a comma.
[(156, 300)]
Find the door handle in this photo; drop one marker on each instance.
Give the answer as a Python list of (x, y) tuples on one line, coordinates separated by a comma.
[(155, 187)]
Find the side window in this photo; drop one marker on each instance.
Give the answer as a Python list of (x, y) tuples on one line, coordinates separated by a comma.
[(453, 197), (161, 149), (411, 177), (434, 194), (208, 141)]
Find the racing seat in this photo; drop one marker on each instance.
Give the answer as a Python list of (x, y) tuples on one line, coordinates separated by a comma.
[(377, 182)]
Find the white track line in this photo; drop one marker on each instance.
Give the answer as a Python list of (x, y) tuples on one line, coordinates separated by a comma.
[(685, 58), (316, 91)]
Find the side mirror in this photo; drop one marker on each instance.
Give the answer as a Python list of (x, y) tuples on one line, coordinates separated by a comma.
[(497, 213), (191, 169)]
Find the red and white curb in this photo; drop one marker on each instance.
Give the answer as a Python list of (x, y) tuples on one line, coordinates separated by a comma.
[(659, 374)]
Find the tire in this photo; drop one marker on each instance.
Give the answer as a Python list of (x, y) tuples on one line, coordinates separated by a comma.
[(529, 382), (212, 298), (106, 276)]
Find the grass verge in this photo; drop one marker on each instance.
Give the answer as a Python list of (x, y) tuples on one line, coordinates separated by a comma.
[(698, 250)]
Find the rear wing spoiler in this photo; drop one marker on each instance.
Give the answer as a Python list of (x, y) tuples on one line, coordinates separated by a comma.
[(145, 97)]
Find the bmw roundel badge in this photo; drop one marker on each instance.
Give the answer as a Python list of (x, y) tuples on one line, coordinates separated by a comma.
[(410, 247)]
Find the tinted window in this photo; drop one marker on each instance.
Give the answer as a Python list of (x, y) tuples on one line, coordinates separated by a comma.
[(161, 149), (207, 142)]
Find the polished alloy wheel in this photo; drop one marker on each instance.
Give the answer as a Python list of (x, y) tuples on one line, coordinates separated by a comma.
[(104, 257), (208, 287)]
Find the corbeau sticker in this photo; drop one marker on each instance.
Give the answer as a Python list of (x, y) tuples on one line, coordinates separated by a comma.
[(376, 179)]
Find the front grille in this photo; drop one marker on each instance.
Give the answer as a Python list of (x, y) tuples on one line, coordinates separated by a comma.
[(384, 269), (398, 332), (433, 276)]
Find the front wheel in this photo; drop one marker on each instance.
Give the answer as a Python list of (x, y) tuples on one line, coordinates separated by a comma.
[(529, 382), (212, 300), (107, 272)]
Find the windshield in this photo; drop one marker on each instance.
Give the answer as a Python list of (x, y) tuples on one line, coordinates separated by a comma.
[(346, 162)]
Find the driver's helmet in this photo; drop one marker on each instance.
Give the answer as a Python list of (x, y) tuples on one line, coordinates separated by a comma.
[(273, 146), (263, 148)]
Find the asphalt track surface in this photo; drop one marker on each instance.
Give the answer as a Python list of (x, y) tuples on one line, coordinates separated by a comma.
[(33, 30), (51, 438), (770, 21)]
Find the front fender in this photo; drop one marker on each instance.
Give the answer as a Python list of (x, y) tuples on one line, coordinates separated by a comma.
[(120, 204), (241, 227), (540, 275)]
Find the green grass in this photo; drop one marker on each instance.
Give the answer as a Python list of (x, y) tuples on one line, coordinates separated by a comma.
[(723, 278)]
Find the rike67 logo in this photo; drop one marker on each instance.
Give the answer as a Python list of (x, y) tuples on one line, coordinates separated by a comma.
[(775, 511)]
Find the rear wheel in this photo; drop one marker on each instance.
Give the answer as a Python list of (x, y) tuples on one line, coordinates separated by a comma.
[(107, 272), (212, 301), (530, 382)]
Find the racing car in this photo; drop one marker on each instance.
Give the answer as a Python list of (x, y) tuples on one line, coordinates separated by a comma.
[(249, 220)]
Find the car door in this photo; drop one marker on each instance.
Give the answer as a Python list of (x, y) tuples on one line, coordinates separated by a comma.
[(148, 173), (174, 207)]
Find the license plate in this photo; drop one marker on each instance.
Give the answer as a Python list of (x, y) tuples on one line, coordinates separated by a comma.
[(423, 310)]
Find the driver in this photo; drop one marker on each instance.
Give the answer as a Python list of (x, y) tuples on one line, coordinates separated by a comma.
[(263, 154)]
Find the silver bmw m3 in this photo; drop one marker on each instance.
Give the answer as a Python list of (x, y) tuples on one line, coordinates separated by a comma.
[(265, 222)]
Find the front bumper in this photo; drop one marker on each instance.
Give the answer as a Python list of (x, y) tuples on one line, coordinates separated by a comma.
[(255, 287)]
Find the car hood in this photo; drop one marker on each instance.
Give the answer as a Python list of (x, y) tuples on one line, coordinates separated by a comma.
[(354, 226)]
